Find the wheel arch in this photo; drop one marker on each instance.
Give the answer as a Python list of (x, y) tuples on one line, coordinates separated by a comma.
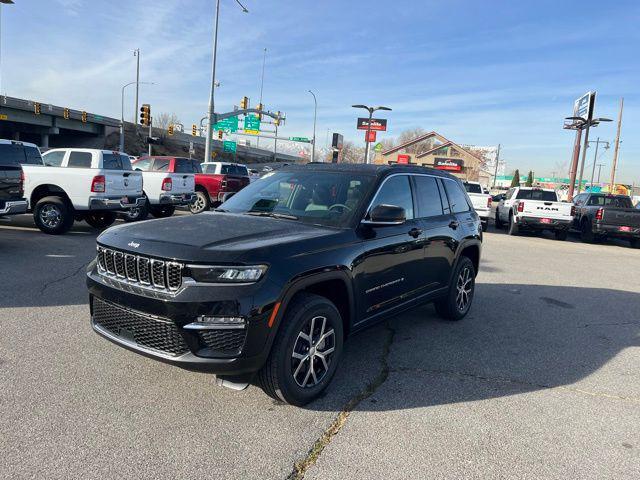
[(47, 190), (470, 249)]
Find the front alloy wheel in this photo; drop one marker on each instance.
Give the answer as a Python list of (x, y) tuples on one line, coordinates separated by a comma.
[(312, 352)]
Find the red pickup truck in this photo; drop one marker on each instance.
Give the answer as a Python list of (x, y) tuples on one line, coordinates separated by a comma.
[(211, 189)]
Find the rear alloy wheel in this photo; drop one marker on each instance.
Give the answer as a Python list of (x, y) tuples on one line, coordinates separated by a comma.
[(457, 303), (306, 351), (136, 214), (513, 226), (499, 223), (53, 215), (100, 220), (586, 233), (201, 203)]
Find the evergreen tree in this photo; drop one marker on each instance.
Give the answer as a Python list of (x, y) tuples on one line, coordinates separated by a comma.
[(530, 179), (516, 179)]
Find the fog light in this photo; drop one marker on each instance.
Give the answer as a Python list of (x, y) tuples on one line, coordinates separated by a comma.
[(204, 322)]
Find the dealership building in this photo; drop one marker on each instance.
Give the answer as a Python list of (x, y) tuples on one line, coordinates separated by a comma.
[(435, 151)]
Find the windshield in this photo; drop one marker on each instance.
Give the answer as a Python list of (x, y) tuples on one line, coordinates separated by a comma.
[(322, 198), (542, 195), (472, 188)]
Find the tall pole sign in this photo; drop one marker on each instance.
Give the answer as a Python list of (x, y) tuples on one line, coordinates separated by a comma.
[(616, 148)]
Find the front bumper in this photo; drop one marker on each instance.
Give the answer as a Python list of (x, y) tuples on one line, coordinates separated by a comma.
[(15, 207), (614, 231), (177, 198), (539, 223), (153, 323), (116, 202)]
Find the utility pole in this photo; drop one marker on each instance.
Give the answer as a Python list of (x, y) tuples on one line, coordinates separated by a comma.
[(600, 165), (315, 115), (595, 158), (495, 175), (264, 61), (617, 147), (136, 53)]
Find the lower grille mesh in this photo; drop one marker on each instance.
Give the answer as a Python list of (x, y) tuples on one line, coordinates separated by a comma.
[(147, 331), (224, 341)]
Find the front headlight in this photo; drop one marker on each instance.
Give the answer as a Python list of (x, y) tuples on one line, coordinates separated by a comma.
[(221, 274)]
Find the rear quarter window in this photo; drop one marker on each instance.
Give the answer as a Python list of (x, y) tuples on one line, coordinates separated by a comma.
[(115, 161), (457, 197), (33, 156), (79, 160), (183, 165)]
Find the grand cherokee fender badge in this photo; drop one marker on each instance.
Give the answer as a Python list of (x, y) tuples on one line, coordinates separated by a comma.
[(133, 244)]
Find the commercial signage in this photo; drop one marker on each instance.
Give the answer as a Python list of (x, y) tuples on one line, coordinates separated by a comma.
[(404, 159), (370, 136), (337, 141), (377, 124), (252, 124), (229, 125), (583, 106), (448, 164), (378, 147)]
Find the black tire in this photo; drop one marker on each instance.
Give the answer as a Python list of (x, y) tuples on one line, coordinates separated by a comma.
[(136, 214), (586, 233), (485, 225), (464, 276), (634, 242), (163, 211), (561, 235), (202, 203), (100, 220), (281, 376), (53, 215), (513, 228), (499, 223)]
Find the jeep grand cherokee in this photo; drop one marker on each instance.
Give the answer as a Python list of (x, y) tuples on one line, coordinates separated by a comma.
[(270, 284)]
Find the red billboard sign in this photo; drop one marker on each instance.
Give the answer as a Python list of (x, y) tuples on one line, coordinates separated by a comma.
[(448, 164), (370, 136), (404, 158), (377, 124)]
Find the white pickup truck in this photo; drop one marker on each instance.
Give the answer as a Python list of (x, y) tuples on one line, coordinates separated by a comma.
[(80, 184), (481, 202), (164, 191), (530, 208)]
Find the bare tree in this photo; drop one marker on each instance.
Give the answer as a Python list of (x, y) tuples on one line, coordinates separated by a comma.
[(412, 134), (163, 120), (350, 153)]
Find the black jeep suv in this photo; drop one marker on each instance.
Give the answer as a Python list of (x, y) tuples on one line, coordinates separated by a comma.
[(273, 281)]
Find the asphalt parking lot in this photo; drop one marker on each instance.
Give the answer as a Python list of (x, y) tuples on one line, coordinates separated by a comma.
[(541, 380)]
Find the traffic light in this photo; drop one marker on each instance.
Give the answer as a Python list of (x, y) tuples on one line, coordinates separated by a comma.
[(277, 119), (244, 103), (170, 129), (66, 114), (145, 114), (220, 132), (84, 117), (37, 108), (259, 108), (194, 130)]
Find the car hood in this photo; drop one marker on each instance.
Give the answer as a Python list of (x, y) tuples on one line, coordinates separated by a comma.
[(212, 237)]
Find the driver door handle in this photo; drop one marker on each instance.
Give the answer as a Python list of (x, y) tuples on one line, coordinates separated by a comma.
[(453, 224), (415, 232)]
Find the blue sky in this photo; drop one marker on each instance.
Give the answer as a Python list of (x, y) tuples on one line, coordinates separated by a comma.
[(479, 72)]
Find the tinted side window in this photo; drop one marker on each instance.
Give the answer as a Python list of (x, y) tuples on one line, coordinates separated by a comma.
[(579, 200), (428, 196), (243, 171), (79, 160), (161, 165), (225, 169), (183, 165), (111, 161), (457, 197), (33, 156), (53, 159), (396, 191), (196, 167)]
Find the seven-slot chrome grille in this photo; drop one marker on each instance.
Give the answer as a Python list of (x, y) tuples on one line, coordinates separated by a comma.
[(136, 269)]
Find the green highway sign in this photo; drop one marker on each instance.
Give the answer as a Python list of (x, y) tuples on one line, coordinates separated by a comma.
[(252, 124), (300, 139), (228, 146), (229, 125), (378, 147)]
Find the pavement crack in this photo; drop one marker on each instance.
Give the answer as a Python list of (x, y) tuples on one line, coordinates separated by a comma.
[(614, 324), (521, 383), (301, 467), (62, 279)]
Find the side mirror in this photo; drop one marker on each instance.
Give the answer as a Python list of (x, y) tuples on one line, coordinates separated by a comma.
[(383, 215), (138, 169)]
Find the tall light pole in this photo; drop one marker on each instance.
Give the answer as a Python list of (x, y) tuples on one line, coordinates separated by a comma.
[(495, 174), (136, 53), (6, 2), (122, 112), (264, 61), (210, 113), (366, 139), (315, 116)]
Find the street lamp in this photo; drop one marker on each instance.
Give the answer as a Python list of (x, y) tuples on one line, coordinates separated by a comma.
[(6, 2), (366, 140), (315, 115), (122, 111), (211, 115)]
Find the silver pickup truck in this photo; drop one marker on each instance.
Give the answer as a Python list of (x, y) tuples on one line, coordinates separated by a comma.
[(481, 202)]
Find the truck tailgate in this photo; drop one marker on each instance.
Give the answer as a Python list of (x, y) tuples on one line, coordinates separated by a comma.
[(10, 183), (119, 182), (541, 209), (235, 183), (627, 217), (182, 182)]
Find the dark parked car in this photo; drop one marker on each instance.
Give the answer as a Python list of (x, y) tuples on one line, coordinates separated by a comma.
[(274, 280), (600, 215), (12, 155)]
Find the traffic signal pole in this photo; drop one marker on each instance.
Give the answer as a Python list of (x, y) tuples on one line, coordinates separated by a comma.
[(210, 114), (150, 133)]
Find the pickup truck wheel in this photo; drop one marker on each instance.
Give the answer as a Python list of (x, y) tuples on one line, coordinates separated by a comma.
[(162, 212), (53, 215), (634, 242), (561, 235), (458, 300), (201, 203), (513, 226), (306, 351), (485, 225), (499, 223), (136, 214), (586, 233), (100, 220)]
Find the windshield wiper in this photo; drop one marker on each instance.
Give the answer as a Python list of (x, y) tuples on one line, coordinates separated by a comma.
[(273, 215)]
